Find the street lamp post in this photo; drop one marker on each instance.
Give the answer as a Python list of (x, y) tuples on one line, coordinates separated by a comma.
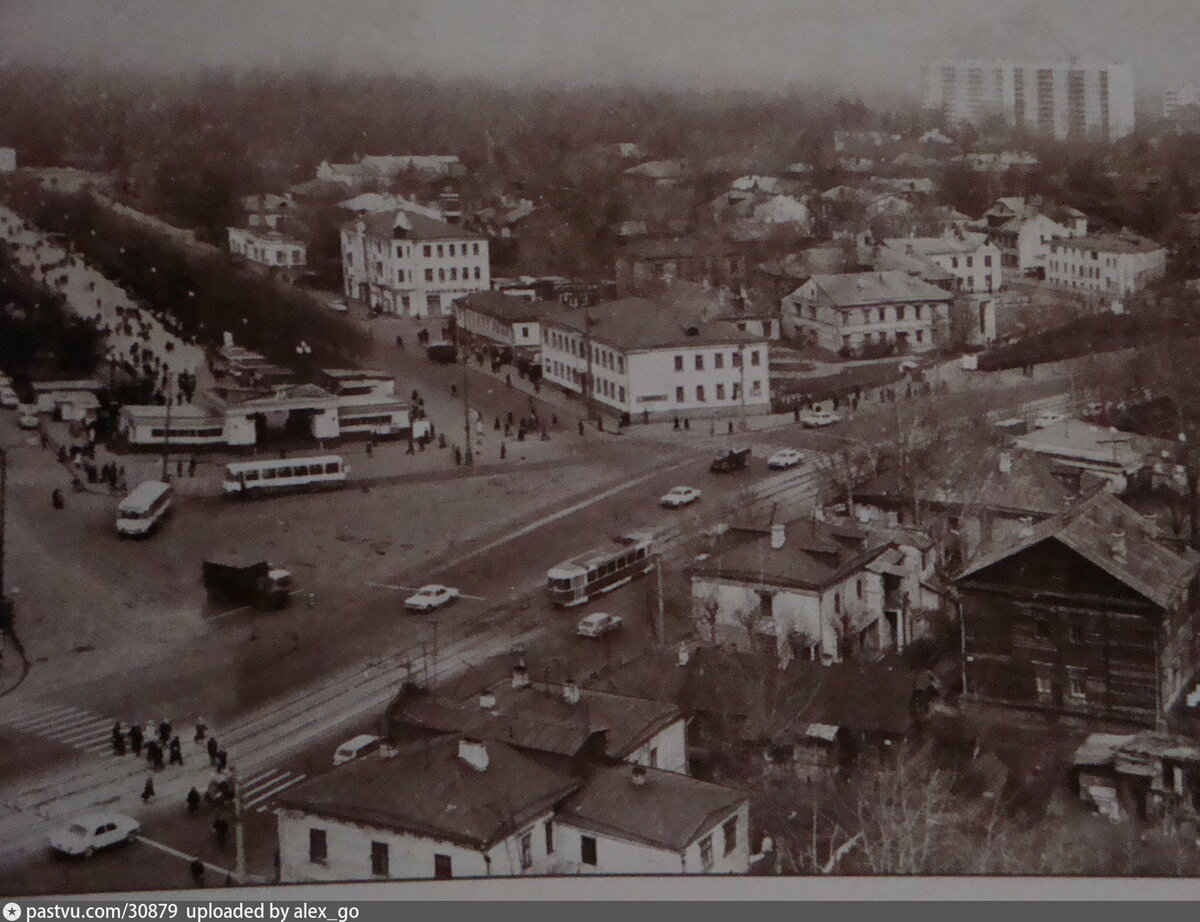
[(468, 457)]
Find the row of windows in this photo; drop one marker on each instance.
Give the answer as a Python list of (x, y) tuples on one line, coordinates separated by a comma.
[(605, 357), (449, 249), (212, 433), (298, 470), (718, 392), (735, 360), (441, 274), (970, 262)]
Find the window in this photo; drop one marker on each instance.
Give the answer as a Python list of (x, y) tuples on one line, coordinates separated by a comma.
[(587, 850), (706, 858), (700, 393), (452, 249), (439, 251), (970, 262), (429, 275), (442, 868), (954, 262), (526, 844), (318, 848), (441, 275), (755, 387), (476, 272), (621, 364), (549, 826), (453, 274), (475, 252), (621, 395), (987, 262), (920, 335), (1075, 632), (754, 357), (679, 398), (679, 363), (1077, 683), (736, 360), (428, 251), (719, 360), (720, 392), (858, 585), (729, 828), (653, 760), (699, 363), (379, 859)]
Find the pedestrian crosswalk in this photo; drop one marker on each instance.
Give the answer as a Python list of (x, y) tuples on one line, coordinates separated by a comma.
[(70, 726), (259, 790)]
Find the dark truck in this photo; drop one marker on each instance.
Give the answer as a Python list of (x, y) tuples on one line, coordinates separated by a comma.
[(257, 584), (732, 460), (442, 353)]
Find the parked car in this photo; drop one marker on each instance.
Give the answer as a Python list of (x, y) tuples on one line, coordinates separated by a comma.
[(90, 832), (815, 419), (9, 399), (356, 747), (679, 496), (27, 420), (340, 307), (1048, 418), (597, 624), (427, 598), (784, 458)]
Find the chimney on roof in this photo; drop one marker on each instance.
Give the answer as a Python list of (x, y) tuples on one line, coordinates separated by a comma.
[(1005, 462), (1026, 526), (1118, 548), (487, 701), (778, 537), (473, 752), (571, 692), (684, 655), (520, 676), (638, 775)]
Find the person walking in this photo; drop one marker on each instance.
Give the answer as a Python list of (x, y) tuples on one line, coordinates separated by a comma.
[(118, 739), (221, 831), (197, 868), (503, 451), (176, 752), (193, 801), (581, 427), (222, 759), (135, 739), (192, 468), (212, 750), (164, 731), (201, 729), (148, 791)]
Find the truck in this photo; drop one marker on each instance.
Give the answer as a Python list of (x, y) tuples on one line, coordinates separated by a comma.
[(259, 584), (442, 353), (732, 460)]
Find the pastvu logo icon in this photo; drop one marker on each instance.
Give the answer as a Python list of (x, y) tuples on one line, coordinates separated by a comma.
[(12, 912)]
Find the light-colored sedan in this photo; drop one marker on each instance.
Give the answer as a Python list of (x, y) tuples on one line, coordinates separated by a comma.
[(784, 458), (91, 832), (9, 399), (815, 419), (1048, 418), (340, 307), (427, 598), (597, 624), (27, 420), (679, 496)]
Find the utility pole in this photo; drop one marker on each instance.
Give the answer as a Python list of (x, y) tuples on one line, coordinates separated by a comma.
[(166, 478), (587, 349), (468, 457), (239, 827), (660, 615)]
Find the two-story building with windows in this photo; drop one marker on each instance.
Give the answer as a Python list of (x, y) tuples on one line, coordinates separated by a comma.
[(502, 321), (1023, 229), (1110, 264), (405, 263), (856, 311), (970, 258), (268, 247), (632, 356)]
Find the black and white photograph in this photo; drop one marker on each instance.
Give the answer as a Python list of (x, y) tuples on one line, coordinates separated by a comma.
[(673, 447)]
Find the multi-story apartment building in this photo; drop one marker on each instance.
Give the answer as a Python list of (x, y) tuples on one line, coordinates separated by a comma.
[(1058, 99), (970, 258), (642, 360), (1187, 94), (855, 311), (402, 262), (1113, 264)]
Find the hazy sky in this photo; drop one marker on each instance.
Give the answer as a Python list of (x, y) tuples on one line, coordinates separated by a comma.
[(861, 45)]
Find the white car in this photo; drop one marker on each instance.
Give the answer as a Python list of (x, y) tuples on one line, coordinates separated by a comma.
[(597, 624), (1048, 418), (679, 496), (27, 420), (90, 832), (427, 598), (339, 307), (784, 458), (815, 419), (9, 399)]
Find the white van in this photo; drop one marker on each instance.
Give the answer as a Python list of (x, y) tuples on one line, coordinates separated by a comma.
[(355, 748), (140, 512)]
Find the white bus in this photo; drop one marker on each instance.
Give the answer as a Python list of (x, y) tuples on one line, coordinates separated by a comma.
[(140, 512), (601, 570), (250, 478)]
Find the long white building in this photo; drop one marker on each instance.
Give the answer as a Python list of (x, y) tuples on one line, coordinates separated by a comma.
[(1057, 99), (1112, 264), (642, 360), (409, 264)]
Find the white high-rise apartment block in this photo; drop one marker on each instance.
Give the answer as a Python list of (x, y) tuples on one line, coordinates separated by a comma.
[(1058, 99)]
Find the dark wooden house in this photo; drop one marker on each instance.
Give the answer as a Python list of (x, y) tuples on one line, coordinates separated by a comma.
[(1091, 613)]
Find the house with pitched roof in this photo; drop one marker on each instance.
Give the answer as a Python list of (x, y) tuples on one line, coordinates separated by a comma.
[(1090, 613), (1111, 264), (859, 311), (493, 318), (406, 263), (1023, 229)]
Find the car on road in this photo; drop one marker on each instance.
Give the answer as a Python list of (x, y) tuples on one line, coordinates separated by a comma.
[(355, 747), (339, 307), (1048, 418), (679, 496), (27, 420), (784, 458), (597, 624), (9, 399), (427, 598), (815, 419), (90, 832)]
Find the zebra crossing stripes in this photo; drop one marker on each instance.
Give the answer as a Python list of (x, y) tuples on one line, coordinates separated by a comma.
[(70, 726), (258, 790)]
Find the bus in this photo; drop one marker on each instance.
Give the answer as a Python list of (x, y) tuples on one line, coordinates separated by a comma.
[(600, 570), (278, 475), (141, 511)]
